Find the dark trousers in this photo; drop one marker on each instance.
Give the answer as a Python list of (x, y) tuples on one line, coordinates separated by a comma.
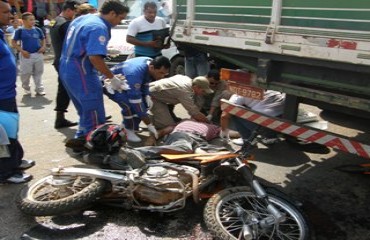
[(8, 165), (62, 100)]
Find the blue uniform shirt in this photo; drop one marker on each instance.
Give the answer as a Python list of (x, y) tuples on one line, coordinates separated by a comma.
[(137, 75), (87, 36), (30, 38), (8, 70)]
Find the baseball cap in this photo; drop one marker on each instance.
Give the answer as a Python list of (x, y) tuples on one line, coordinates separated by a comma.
[(203, 83)]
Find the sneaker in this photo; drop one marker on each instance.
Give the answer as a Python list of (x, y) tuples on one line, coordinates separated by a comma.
[(77, 144), (42, 93), (131, 136), (27, 93), (238, 141), (269, 141), (26, 164), (64, 123), (19, 177)]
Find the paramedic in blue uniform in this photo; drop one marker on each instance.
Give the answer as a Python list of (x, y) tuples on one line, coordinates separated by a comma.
[(82, 57), (134, 103)]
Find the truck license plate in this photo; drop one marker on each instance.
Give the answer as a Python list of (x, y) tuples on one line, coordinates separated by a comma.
[(246, 91)]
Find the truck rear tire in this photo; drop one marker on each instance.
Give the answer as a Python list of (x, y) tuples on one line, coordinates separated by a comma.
[(177, 66)]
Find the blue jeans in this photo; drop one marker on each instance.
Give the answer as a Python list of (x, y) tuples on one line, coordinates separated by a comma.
[(196, 65), (8, 165), (246, 128)]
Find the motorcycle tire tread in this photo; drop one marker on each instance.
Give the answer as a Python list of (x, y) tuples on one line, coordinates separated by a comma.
[(219, 233), (77, 201)]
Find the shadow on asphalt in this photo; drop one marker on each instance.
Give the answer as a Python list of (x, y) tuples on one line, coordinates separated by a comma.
[(185, 223), (322, 190), (346, 120), (35, 102)]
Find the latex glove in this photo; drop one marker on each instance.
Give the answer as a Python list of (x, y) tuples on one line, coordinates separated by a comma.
[(152, 129), (109, 88), (224, 134), (115, 83), (124, 85), (149, 101), (209, 117)]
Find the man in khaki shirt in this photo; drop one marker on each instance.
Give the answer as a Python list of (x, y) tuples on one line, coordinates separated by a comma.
[(174, 90)]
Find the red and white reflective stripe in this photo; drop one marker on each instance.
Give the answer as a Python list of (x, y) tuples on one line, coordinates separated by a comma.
[(299, 131)]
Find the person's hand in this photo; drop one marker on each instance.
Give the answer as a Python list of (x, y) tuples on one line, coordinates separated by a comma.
[(149, 101), (209, 117), (152, 129), (117, 83), (25, 54), (155, 43), (200, 117), (41, 50)]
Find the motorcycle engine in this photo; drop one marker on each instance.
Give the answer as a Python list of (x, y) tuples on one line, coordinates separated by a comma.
[(162, 184)]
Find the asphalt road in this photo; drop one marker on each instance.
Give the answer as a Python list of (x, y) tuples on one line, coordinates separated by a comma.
[(336, 202)]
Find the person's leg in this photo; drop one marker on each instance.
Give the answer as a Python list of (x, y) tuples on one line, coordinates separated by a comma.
[(25, 67), (161, 115), (92, 109), (38, 70), (11, 154), (128, 119), (201, 64), (190, 68), (62, 103), (244, 127)]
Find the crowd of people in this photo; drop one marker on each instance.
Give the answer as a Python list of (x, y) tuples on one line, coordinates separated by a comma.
[(140, 85)]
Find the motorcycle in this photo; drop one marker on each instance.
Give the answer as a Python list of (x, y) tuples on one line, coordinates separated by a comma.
[(237, 205)]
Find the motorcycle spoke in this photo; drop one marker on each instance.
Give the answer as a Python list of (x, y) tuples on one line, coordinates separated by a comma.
[(236, 212), (48, 192)]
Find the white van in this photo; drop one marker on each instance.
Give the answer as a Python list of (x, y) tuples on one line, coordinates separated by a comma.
[(119, 49)]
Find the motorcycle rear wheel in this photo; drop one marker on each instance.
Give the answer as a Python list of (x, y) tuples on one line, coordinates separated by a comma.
[(227, 212), (50, 196)]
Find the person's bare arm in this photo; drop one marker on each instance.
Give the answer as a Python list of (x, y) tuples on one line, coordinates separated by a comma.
[(98, 62), (18, 47), (200, 117), (43, 46), (134, 41), (224, 121)]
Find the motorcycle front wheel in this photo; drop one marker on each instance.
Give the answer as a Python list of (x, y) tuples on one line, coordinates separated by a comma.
[(237, 213), (59, 195)]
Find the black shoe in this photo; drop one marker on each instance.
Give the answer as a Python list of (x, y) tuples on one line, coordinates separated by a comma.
[(26, 164), (108, 117), (77, 144), (63, 123), (19, 177)]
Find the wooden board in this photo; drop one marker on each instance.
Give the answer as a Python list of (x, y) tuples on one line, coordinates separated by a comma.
[(192, 155)]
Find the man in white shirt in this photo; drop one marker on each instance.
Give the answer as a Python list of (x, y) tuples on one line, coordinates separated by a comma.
[(141, 32), (272, 104)]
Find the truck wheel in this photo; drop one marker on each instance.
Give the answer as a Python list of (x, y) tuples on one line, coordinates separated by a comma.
[(50, 196), (177, 66)]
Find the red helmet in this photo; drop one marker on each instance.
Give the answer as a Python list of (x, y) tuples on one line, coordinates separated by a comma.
[(106, 137)]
